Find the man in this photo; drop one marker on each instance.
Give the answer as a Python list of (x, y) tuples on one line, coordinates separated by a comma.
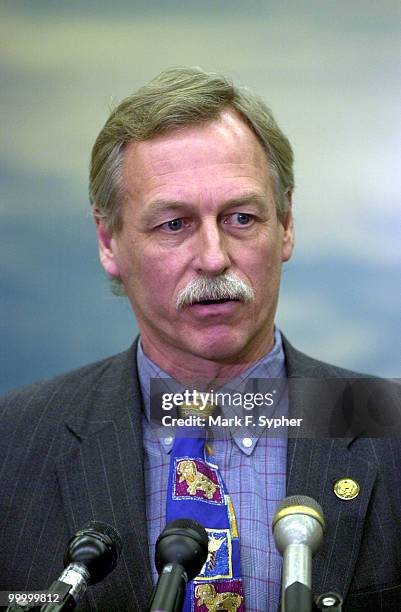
[(191, 185)]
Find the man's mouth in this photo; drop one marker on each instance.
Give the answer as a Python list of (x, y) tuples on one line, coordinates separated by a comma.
[(223, 307), (208, 302)]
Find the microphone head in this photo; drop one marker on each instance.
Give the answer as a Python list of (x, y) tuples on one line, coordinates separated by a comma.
[(97, 546), (184, 542), (299, 504), (298, 520)]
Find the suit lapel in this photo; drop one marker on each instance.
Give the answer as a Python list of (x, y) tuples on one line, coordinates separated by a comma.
[(316, 466), (313, 466), (102, 478)]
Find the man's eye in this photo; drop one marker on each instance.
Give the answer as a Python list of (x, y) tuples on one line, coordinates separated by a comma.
[(239, 219), (174, 225)]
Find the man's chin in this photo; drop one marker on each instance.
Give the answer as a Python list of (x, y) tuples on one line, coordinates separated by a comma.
[(222, 348)]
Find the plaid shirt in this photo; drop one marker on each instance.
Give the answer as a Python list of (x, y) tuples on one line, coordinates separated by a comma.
[(255, 477)]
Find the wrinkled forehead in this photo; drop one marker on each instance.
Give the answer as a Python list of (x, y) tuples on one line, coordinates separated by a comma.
[(197, 156), (228, 138)]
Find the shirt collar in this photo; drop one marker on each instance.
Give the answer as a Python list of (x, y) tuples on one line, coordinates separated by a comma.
[(271, 365)]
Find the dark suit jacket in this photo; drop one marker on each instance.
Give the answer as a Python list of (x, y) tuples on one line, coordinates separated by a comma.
[(71, 451)]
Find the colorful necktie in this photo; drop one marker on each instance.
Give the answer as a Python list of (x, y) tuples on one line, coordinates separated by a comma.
[(196, 490)]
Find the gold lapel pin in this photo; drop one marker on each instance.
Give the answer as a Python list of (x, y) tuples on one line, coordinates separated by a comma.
[(346, 488)]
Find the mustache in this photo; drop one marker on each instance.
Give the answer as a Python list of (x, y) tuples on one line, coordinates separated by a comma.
[(227, 286)]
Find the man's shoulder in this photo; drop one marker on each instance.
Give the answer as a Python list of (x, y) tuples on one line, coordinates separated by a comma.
[(72, 388)]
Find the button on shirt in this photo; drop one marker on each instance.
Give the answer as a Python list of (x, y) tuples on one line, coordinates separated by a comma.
[(254, 470)]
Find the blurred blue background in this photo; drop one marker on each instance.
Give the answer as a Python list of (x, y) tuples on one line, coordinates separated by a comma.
[(329, 72)]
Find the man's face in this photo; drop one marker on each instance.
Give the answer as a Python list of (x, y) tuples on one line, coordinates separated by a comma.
[(199, 203)]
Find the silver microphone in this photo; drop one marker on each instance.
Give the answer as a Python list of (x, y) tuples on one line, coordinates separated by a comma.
[(298, 529)]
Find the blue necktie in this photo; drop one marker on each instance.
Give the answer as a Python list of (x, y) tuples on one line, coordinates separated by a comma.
[(196, 490)]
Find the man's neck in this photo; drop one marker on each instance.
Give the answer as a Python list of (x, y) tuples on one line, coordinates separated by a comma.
[(190, 369)]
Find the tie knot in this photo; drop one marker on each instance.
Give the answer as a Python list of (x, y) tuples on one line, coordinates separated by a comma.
[(197, 407)]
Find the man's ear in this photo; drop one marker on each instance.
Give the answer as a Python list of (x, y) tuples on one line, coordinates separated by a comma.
[(107, 246), (288, 225)]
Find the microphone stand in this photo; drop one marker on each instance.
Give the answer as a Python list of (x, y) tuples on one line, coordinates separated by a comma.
[(297, 598), (170, 592), (65, 601), (68, 588)]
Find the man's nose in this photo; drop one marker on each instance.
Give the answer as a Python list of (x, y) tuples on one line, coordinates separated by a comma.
[(212, 255)]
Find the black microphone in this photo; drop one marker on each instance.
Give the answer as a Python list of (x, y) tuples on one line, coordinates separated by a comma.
[(298, 528), (181, 551), (91, 554)]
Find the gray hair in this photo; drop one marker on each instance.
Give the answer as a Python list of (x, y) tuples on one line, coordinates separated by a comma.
[(175, 98), (227, 286)]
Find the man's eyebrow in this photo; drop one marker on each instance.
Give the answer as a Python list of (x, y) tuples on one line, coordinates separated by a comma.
[(161, 205), (253, 198), (157, 207)]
